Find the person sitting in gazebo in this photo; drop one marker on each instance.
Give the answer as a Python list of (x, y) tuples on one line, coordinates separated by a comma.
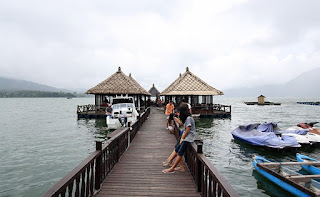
[(109, 110)]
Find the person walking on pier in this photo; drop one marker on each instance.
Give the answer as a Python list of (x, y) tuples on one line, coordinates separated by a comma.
[(169, 110), (186, 138)]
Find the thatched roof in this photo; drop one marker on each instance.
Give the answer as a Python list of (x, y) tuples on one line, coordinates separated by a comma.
[(118, 83), (189, 84), (154, 91)]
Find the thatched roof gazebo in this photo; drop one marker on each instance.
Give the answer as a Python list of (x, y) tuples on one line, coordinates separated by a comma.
[(190, 88), (154, 92), (118, 84)]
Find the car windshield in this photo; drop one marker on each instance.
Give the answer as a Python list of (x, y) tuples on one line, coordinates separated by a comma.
[(122, 100), (122, 105)]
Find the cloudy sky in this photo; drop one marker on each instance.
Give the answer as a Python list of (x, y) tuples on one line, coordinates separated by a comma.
[(231, 43)]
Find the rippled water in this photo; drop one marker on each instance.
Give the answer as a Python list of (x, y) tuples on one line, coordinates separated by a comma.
[(234, 160), (42, 140)]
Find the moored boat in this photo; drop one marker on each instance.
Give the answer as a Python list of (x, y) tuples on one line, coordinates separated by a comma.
[(313, 169), (263, 135), (305, 132), (123, 112), (293, 182)]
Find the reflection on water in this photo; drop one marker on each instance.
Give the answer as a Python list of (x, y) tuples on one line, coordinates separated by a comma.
[(97, 127), (234, 159), (41, 141), (268, 187)]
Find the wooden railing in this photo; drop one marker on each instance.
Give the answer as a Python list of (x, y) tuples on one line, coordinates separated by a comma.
[(208, 179), (86, 108), (86, 178), (212, 107)]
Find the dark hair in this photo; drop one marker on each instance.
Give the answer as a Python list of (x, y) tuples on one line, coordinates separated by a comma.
[(184, 112)]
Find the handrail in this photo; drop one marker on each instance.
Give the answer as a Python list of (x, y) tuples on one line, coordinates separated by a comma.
[(87, 177), (213, 107), (208, 179), (61, 186), (86, 108)]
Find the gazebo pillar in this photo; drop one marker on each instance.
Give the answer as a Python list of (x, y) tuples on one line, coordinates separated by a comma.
[(139, 102)]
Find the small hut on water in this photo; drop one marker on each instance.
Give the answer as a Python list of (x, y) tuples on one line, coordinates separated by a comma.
[(261, 101), (154, 93), (197, 93), (119, 84)]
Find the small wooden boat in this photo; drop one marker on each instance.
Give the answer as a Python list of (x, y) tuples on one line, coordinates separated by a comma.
[(293, 182), (313, 169)]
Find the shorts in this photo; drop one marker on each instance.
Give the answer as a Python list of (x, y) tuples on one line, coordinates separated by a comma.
[(181, 148), (171, 117), (167, 117)]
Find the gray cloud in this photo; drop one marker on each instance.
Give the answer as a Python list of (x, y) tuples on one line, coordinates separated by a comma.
[(77, 44)]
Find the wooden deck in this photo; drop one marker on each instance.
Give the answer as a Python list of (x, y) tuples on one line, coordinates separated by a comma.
[(139, 171)]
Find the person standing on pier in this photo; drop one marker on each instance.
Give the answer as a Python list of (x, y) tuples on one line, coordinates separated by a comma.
[(186, 138), (169, 110)]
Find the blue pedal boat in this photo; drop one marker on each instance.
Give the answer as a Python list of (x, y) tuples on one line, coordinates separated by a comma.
[(293, 182)]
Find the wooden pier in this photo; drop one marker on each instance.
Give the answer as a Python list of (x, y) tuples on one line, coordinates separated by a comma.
[(130, 164), (95, 111), (90, 111), (139, 171)]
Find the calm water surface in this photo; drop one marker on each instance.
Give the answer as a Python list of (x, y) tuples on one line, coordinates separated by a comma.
[(42, 140)]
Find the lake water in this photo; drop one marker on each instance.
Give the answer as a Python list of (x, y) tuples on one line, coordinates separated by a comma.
[(42, 140)]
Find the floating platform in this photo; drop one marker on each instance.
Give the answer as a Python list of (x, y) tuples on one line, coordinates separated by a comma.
[(91, 114), (214, 111), (265, 103), (309, 103)]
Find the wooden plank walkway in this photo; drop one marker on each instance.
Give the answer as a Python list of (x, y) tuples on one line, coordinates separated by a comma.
[(139, 171)]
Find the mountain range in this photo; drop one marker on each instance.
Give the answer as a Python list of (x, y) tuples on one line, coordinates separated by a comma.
[(15, 85), (305, 85)]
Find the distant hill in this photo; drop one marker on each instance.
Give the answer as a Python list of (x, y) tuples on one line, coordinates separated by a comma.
[(14, 85), (305, 85)]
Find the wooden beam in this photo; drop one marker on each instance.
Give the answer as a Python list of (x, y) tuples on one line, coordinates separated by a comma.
[(303, 178), (291, 163)]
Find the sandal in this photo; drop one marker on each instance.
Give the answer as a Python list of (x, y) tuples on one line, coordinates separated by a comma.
[(166, 163), (179, 169), (166, 171)]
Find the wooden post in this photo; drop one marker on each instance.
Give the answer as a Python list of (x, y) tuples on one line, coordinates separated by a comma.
[(98, 166), (145, 102), (139, 122), (199, 167), (139, 102), (199, 146), (119, 149), (129, 133)]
